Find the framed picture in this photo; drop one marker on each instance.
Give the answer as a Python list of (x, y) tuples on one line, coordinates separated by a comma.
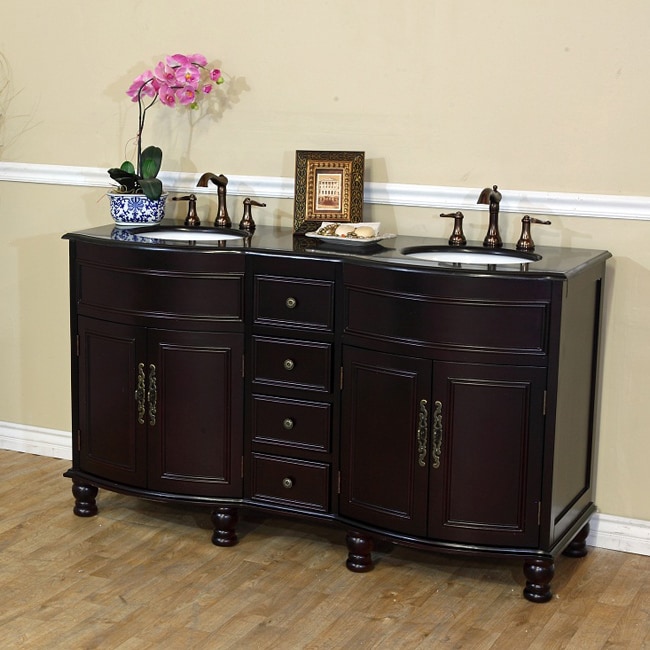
[(329, 187)]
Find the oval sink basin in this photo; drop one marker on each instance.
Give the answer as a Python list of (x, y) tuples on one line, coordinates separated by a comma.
[(189, 235), (179, 234), (482, 256)]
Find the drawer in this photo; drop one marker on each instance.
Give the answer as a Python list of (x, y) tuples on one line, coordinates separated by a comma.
[(293, 302), (292, 364), (289, 482), (113, 283), (483, 314), (291, 423)]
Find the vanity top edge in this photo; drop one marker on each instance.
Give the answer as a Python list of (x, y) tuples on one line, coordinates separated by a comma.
[(555, 261)]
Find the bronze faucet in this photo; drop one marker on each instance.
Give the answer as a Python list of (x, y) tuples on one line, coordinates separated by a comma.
[(525, 242), (457, 236), (492, 197), (192, 220), (247, 222), (222, 220)]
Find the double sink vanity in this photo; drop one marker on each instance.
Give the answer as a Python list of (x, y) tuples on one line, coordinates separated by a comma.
[(444, 403)]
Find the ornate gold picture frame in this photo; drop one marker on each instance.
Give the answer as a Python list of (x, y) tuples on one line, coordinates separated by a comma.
[(329, 187)]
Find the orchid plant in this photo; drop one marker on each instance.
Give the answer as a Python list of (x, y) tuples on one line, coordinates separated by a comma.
[(178, 80)]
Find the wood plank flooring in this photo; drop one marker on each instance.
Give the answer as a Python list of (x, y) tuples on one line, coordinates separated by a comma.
[(144, 575)]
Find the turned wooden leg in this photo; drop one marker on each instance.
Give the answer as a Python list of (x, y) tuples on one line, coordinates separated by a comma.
[(85, 504), (359, 552), (539, 574), (224, 521), (578, 545)]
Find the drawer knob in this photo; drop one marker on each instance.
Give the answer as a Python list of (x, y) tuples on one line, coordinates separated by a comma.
[(288, 423), (287, 483), (291, 302), (288, 364)]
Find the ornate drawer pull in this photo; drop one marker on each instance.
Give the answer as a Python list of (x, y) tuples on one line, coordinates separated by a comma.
[(151, 394), (288, 364), (140, 393), (291, 302), (287, 483), (288, 423), (423, 425), (436, 445)]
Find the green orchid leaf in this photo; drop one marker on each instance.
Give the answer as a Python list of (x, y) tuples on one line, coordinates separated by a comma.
[(152, 188), (127, 166), (126, 180), (151, 162)]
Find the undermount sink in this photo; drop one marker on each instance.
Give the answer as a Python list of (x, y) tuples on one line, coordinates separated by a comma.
[(191, 234), (181, 234), (469, 255)]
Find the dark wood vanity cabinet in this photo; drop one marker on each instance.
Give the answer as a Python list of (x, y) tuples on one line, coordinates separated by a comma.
[(420, 405)]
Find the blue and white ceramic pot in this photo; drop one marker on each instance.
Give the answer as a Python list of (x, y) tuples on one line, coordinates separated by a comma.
[(130, 210)]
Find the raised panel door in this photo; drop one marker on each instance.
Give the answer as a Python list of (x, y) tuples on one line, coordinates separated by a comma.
[(487, 434), (112, 436), (384, 426), (195, 438)]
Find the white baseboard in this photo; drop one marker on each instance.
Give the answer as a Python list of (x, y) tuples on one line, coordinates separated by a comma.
[(606, 531), (619, 534), (35, 440)]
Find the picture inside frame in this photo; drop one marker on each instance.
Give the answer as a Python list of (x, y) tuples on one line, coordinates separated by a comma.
[(329, 187)]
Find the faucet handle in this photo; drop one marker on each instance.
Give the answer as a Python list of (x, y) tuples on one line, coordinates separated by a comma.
[(525, 242), (192, 220), (457, 236), (247, 222)]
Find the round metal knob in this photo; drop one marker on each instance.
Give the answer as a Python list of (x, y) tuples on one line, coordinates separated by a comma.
[(291, 302), (287, 423), (287, 483), (288, 364)]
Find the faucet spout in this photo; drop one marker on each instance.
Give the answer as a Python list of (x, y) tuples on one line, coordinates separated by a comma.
[(492, 197), (222, 220)]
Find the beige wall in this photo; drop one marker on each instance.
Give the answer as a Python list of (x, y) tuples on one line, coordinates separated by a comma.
[(538, 96)]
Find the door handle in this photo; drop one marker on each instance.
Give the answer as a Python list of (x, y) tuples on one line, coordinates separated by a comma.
[(139, 393), (152, 394), (436, 444), (423, 425)]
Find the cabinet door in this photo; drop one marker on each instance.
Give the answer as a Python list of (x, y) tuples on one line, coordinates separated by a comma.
[(194, 381), (111, 443), (488, 424), (384, 468)]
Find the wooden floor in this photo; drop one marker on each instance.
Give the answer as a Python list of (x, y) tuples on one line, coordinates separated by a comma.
[(145, 575)]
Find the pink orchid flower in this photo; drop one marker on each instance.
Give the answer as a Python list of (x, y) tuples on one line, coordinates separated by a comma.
[(186, 95), (142, 86), (167, 95), (166, 74), (188, 74), (184, 59)]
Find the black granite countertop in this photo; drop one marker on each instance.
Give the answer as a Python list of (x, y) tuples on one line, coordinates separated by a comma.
[(269, 239)]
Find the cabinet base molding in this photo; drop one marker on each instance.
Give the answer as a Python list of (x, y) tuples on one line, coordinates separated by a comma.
[(539, 569), (606, 531)]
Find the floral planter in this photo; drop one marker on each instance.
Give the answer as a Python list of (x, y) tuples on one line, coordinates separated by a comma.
[(130, 210)]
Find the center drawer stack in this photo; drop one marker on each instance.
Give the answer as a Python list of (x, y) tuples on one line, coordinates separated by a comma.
[(293, 375)]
